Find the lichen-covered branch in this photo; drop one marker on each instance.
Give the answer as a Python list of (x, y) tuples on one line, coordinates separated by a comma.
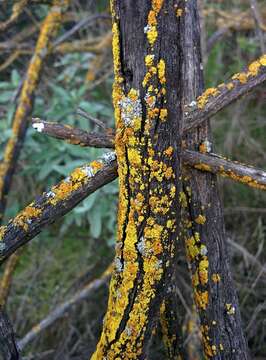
[(73, 135), (61, 309), (17, 9), (202, 216), (25, 102), (6, 280), (234, 170), (52, 205), (147, 111), (215, 99)]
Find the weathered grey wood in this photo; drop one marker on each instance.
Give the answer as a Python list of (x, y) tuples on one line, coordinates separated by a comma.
[(214, 290)]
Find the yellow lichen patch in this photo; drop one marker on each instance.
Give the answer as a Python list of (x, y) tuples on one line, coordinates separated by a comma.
[(253, 68), (169, 151), (179, 12), (262, 60), (202, 299), (216, 278), (230, 309), (163, 114), (241, 77), (96, 165), (161, 71), (78, 175), (61, 192), (204, 98), (202, 167), (134, 157), (201, 219), (192, 249), (203, 271), (230, 86), (157, 5), (149, 60), (203, 148), (23, 219)]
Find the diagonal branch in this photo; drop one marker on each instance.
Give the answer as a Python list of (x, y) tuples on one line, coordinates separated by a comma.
[(61, 309), (215, 99), (215, 164), (52, 205)]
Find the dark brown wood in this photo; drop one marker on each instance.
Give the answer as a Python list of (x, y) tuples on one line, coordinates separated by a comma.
[(205, 239), (8, 346), (52, 205)]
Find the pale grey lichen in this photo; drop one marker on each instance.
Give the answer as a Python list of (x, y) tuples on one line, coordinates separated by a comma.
[(130, 110), (109, 157), (118, 265)]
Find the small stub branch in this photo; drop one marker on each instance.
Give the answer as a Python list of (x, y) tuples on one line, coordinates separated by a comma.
[(73, 135)]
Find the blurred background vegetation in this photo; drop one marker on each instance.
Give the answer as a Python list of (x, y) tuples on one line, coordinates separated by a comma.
[(70, 253)]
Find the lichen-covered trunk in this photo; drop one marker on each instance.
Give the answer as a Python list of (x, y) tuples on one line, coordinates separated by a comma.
[(146, 95), (214, 291)]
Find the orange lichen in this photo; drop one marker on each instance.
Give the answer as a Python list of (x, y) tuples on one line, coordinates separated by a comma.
[(201, 299), (203, 167), (242, 77), (204, 98), (201, 219), (179, 12), (24, 218), (169, 151)]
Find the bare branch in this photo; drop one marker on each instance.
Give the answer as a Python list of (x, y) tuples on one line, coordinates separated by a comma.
[(215, 99), (73, 135), (61, 309), (52, 205), (215, 164)]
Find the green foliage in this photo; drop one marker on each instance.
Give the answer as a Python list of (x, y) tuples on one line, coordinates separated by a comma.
[(45, 161)]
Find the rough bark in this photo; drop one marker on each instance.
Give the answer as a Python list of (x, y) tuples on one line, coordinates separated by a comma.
[(214, 291), (8, 347), (147, 111)]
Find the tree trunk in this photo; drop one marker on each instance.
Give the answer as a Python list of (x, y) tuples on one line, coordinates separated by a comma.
[(146, 98), (214, 291)]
